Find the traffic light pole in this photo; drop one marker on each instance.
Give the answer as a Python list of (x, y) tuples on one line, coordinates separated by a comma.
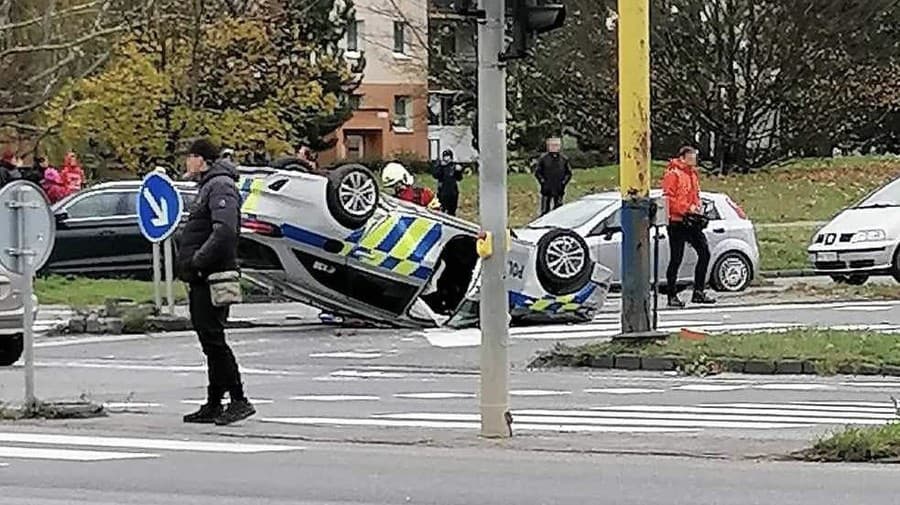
[(493, 212), (634, 159)]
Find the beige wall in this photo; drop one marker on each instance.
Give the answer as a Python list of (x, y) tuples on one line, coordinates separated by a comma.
[(376, 40)]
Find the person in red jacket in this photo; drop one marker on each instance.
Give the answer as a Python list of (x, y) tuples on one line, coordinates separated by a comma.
[(53, 185), (681, 186), (72, 173)]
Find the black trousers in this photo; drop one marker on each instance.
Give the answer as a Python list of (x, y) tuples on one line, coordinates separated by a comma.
[(449, 202), (549, 203), (679, 235), (209, 323)]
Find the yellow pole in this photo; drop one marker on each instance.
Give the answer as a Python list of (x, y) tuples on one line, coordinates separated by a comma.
[(634, 159), (634, 97)]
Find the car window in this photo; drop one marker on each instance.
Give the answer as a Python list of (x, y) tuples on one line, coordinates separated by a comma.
[(710, 210), (105, 204), (886, 196), (573, 215)]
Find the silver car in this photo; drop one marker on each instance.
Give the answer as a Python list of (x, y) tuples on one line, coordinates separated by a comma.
[(11, 315), (732, 239), (862, 241)]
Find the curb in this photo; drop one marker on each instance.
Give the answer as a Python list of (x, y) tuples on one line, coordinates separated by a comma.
[(633, 362), (782, 274)]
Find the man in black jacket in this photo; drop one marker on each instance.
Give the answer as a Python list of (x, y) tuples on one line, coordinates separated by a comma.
[(448, 174), (553, 173), (208, 244)]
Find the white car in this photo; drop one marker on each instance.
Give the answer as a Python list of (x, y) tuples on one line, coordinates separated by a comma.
[(862, 241), (334, 242), (11, 315), (732, 240)]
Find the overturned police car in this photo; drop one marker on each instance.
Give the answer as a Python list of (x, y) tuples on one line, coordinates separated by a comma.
[(334, 241)]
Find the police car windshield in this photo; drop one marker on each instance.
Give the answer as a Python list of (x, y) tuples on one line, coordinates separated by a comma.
[(573, 215)]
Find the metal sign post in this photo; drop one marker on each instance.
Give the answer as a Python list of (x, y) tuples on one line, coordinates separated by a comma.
[(160, 209), (494, 305), (157, 277), (29, 227)]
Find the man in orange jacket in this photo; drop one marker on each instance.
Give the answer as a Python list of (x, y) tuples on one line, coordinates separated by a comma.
[(681, 186)]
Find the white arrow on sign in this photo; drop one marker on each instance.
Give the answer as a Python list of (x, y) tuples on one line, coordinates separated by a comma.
[(159, 207)]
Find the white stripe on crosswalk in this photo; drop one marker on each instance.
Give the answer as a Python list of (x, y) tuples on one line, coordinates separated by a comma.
[(69, 455), (142, 443), (469, 425), (886, 410)]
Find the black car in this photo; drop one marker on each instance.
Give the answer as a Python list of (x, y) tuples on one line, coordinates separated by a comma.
[(97, 232)]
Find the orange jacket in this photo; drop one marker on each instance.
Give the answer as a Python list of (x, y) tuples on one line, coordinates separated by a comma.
[(681, 185)]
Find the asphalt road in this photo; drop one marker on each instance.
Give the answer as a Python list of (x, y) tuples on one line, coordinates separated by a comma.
[(331, 474), (379, 416)]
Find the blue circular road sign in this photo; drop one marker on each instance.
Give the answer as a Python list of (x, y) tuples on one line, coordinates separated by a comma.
[(159, 207)]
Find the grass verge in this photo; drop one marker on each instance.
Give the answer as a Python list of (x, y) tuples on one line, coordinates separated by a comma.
[(784, 248), (84, 292), (883, 290), (831, 351), (857, 444)]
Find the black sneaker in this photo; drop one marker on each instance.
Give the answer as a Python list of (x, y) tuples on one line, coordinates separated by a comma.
[(237, 410), (702, 298), (206, 415), (675, 303)]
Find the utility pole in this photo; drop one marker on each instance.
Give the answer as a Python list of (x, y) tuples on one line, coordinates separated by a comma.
[(634, 159), (494, 307)]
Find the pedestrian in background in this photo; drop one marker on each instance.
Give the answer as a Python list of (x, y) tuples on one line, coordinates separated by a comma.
[(553, 172), (72, 173), (208, 245), (35, 174), (681, 186), (448, 174), (10, 168), (53, 185)]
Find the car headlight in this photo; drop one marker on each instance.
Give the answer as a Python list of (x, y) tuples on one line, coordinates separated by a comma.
[(868, 236)]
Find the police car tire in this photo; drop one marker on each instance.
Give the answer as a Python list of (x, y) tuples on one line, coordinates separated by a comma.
[(11, 349), (346, 217), (554, 283)]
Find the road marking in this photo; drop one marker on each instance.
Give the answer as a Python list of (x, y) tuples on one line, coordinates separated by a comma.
[(709, 388), (335, 398), (142, 443), (862, 309), (466, 425), (434, 396), (130, 405), (872, 384), (69, 455), (103, 339), (812, 408), (255, 401), (538, 392), (347, 355), (793, 387), (762, 414), (623, 391), (367, 374)]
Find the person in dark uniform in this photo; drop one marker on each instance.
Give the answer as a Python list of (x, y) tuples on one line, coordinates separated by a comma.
[(448, 174), (209, 245), (553, 173)]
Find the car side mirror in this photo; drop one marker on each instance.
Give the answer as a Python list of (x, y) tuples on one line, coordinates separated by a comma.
[(609, 231)]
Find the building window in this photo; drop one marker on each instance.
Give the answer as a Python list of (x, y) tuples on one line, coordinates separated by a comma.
[(399, 37), (403, 113), (355, 145), (353, 37)]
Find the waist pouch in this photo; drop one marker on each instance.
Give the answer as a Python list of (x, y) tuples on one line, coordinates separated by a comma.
[(225, 288)]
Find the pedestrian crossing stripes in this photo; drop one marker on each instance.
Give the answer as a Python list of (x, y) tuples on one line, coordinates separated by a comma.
[(21, 445), (637, 418)]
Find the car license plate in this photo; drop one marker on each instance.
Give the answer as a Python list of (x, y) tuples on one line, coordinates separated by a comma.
[(827, 256)]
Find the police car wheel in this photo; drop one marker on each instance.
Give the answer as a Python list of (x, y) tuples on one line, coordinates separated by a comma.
[(563, 262), (10, 349), (352, 195)]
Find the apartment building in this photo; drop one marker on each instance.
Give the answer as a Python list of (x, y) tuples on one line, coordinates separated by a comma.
[(390, 115)]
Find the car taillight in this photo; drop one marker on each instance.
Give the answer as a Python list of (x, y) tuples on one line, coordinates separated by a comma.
[(737, 208), (261, 227)]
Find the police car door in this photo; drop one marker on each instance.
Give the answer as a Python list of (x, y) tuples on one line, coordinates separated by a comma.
[(391, 261)]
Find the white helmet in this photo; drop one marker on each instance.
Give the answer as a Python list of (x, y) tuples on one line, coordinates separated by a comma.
[(394, 174)]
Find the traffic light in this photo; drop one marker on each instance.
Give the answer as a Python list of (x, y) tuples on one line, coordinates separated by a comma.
[(528, 19)]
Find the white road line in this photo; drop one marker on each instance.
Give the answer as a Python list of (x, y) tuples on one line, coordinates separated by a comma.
[(142, 443), (623, 391), (794, 387), (62, 342), (69, 454), (538, 392), (600, 421), (872, 384), (434, 396), (823, 417), (373, 374), (862, 309), (887, 410), (255, 401), (347, 355), (858, 405), (130, 405), (710, 388), (399, 423), (335, 398)]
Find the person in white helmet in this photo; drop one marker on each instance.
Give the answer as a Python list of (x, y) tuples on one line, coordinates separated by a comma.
[(397, 178)]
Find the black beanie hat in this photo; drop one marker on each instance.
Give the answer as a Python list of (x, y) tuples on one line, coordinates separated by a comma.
[(206, 149)]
